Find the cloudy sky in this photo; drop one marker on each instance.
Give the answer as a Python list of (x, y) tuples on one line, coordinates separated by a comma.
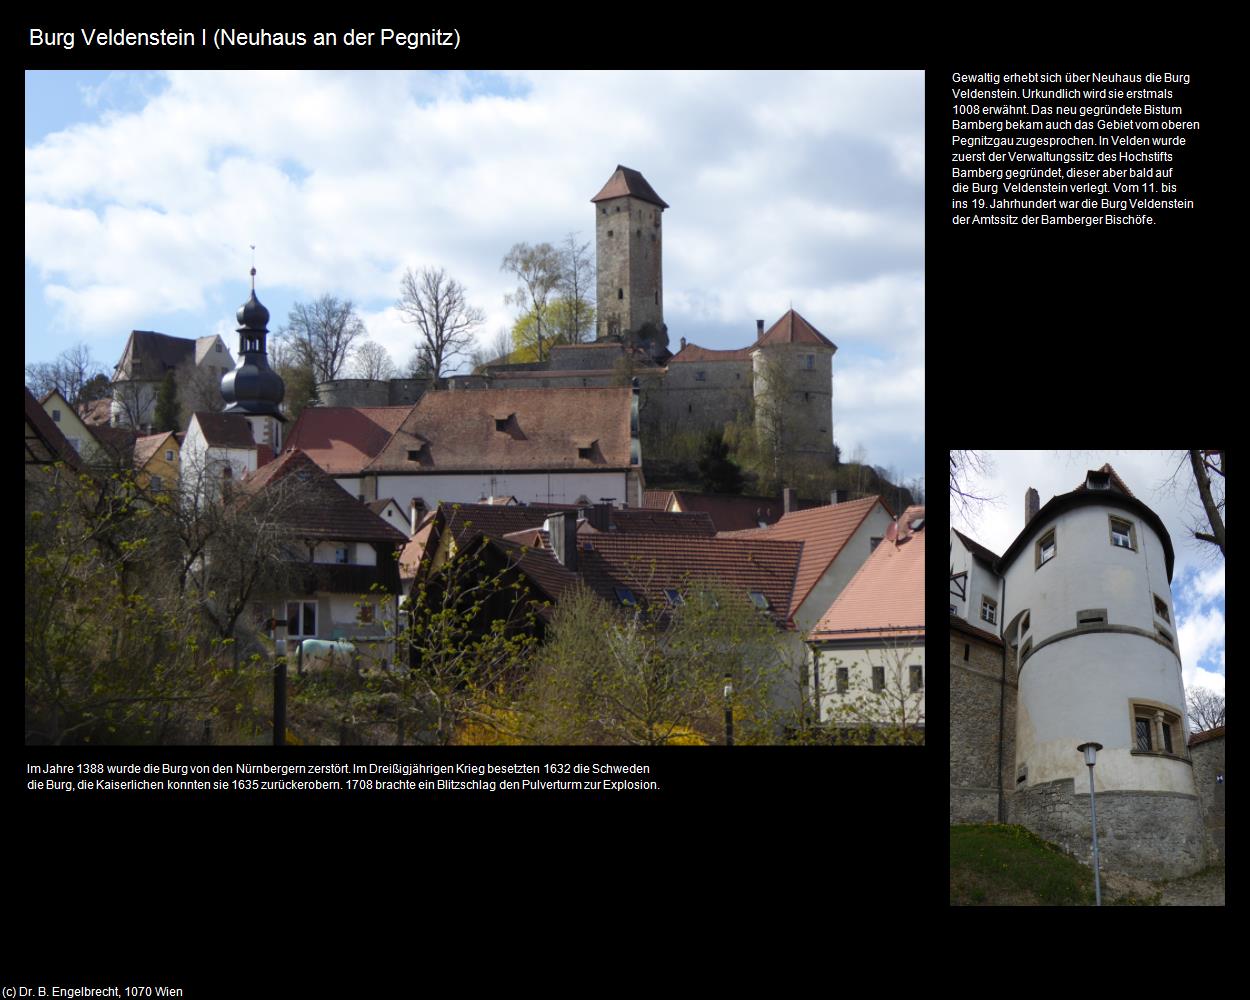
[(144, 191), (1198, 576)]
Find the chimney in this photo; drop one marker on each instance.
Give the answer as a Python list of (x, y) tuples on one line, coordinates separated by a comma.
[(789, 502), (562, 530), (600, 517), (683, 343), (835, 497), (759, 328), (1031, 502)]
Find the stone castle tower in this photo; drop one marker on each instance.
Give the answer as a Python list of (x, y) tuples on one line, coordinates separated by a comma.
[(792, 368), (628, 242), (1079, 610)]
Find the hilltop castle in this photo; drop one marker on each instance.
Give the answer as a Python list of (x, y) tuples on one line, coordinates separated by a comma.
[(784, 377)]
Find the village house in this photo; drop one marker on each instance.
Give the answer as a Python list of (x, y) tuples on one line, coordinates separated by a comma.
[(198, 366), (868, 648), (156, 459)]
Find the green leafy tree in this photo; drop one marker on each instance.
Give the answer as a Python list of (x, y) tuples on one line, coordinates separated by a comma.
[(646, 676), (718, 472), (538, 270)]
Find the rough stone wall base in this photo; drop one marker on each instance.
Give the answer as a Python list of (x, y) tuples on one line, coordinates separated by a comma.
[(1145, 834), (974, 805)]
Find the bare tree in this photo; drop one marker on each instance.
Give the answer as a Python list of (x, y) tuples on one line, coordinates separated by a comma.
[(538, 268), (373, 361), (438, 305), (1206, 709), (325, 332), (576, 315), (965, 498), (1211, 493), (70, 374)]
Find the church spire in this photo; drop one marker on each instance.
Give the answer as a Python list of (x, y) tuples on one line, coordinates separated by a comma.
[(253, 387)]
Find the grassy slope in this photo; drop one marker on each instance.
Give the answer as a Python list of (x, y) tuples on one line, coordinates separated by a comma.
[(994, 865)]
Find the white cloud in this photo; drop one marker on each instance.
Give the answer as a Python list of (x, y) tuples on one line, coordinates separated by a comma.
[(1201, 637)]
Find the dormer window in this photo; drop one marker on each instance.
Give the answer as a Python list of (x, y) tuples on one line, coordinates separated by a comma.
[(501, 423), (586, 452), (673, 596), (1098, 481)]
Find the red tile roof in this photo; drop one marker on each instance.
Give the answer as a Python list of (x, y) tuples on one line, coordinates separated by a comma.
[(693, 353), (344, 439), (730, 512), (657, 522), (324, 510), (793, 329), (959, 625), (459, 431), (648, 564), (824, 532), (149, 445), (542, 568), (97, 412), (656, 499), (1203, 737), (1115, 480), (627, 182), (886, 597)]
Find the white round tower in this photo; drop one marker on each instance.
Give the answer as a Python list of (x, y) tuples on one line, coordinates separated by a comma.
[(1088, 617)]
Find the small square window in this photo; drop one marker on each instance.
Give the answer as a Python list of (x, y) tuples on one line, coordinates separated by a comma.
[(169, 454), (1122, 534), (878, 678), (156, 482), (56, 416), (1045, 548), (585, 452), (989, 610), (1161, 608)]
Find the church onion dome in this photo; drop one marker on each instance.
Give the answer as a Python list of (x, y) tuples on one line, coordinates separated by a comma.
[(253, 387), (252, 315)]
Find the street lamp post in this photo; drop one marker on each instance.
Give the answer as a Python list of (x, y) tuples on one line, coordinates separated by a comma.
[(729, 714), (1090, 750)]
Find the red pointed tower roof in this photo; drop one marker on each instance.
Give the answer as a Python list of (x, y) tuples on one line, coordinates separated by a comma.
[(793, 329), (625, 182)]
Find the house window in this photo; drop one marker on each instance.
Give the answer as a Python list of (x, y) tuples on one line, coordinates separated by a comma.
[(1123, 534), (844, 680), (878, 678), (169, 454), (217, 347), (609, 234), (1091, 616), (809, 362), (989, 610), (364, 614), (301, 619), (341, 555), (156, 482), (759, 599), (917, 677), (1161, 608), (56, 416), (1045, 548), (700, 376)]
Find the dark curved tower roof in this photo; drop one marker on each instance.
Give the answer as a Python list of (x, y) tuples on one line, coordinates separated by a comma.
[(253, 387)]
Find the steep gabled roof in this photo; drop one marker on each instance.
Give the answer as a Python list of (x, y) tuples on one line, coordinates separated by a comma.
[(885, 599), (625, 182), (511, 430), (650, 564), (730, 512), (225, 430), (45, 443), (323, 509), (541, 567), (824, 532), (793, 329), (156, 353), (344, 439), (658, 522), (656, 499), (976, 548), (694, 354), (149, 445)]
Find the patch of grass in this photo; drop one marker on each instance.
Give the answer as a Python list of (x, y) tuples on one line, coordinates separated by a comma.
[(999, 865)]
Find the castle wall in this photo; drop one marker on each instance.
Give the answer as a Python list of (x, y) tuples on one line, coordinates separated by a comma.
[(688, 402), (371, 392), (981, 714), (1208, 760), (1143, 833)]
